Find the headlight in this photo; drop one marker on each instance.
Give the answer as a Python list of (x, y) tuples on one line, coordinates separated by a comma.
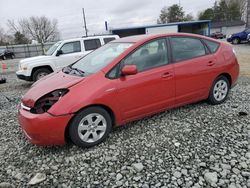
[(47, 101)]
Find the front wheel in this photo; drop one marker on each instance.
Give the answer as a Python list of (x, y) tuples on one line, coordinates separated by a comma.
[(219, 90), (90, 127), (40, 73), (236, 41)]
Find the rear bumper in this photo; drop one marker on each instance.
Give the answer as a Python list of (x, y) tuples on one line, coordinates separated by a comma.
[(43, 129)]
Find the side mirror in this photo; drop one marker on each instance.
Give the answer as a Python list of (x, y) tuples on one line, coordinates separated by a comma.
[(129, 70), (59, 52)]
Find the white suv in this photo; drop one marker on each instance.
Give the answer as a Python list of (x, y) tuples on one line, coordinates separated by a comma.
[(60, 55)]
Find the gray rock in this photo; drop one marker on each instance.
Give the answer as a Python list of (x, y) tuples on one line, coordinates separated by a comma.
[(39, 177), (203, 164), (248, 155), (138, 166), (211, 177), (236, 170), (118, 177), (245, 174), (177, 174), (6, 185)]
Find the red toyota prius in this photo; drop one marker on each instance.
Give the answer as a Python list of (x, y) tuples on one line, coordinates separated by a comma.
[(125, 80)]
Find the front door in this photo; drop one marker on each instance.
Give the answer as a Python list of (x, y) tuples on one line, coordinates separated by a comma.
[(71, 52), (152, 88)]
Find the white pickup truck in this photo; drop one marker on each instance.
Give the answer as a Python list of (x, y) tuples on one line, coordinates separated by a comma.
[(61, 54)]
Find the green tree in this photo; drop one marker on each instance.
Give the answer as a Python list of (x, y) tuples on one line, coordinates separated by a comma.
[(223, 11), (170, 14), (188, 17), (20, 38), (207, 14)]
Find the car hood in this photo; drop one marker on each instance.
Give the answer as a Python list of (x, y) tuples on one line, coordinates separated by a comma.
[(36, 59), (52, 82)]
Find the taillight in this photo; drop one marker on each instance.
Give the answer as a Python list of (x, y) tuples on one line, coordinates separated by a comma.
[(47, 101)]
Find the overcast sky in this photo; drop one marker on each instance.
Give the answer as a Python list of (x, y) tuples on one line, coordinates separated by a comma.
[(118, 13)]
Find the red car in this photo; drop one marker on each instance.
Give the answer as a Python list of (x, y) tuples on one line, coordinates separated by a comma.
[(125, 80)]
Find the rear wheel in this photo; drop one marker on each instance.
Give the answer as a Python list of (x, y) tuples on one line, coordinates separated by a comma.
[(219, 91), (4, 57), (12, 56), (40, 73), (236, 41), (90, 127)]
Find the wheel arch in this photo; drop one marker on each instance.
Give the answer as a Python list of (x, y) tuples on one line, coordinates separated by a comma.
[(39, 67), (228, 76)]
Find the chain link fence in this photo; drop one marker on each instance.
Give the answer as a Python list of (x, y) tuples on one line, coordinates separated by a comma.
[(28, 50)]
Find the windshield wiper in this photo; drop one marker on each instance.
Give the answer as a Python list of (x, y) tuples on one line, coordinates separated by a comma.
[(71, 70)]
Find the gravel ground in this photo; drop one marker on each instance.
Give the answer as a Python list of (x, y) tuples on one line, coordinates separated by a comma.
[(197, 145)]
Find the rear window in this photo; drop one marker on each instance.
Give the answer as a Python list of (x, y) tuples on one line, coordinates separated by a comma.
[(107, 40), (185, 48), (213, 46), (92, 44)]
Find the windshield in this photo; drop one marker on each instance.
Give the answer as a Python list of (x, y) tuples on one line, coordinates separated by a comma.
[(2, 50), (52, 49), (100, 58)]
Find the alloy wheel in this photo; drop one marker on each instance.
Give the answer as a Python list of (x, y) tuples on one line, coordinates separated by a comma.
[(220, 90), (92, 128)]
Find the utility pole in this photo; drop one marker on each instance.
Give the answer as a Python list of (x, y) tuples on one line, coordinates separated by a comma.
[(85, 24)]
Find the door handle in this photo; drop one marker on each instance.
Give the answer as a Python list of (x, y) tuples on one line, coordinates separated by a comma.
[(167, 75), (210, 63)]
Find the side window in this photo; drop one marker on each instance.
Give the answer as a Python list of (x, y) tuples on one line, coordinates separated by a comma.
[(187, 48), (213, 46), (71, 47), (92, 44), (248, 31), (107, 40), (150, 55)]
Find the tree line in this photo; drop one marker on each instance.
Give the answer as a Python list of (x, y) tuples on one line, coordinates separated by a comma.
[(40, 29), (224, 10)]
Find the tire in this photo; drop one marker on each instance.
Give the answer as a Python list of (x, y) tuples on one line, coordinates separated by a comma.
[(84, 131), (236, 41), (40, 73), (12, 56), (4, 57), (219, 91)]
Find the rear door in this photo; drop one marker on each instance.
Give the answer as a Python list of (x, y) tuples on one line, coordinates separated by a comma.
[(91, 44), (152, 88), (193, 67)]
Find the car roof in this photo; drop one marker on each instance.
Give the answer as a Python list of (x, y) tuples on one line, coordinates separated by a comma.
[(143, 38), (89, 37)]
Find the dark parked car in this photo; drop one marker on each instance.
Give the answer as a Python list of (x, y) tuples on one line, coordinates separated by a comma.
[(237, 38), (217, 35), (5, 53)]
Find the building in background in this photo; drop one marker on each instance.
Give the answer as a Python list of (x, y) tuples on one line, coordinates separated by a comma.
[(201, 27), (228, 27)]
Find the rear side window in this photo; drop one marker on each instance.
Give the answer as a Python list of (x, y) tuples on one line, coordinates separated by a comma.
[(71, 47), (185, 48), (92, 44), (107, 40), (213, 46)]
